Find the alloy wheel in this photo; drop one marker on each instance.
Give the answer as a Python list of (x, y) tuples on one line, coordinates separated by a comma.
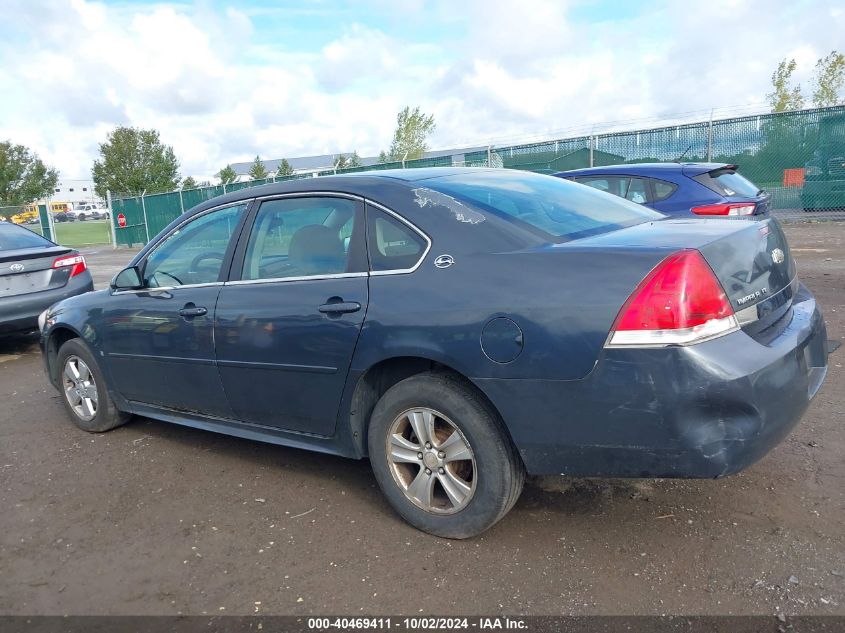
[(79, 388), (431, 461)]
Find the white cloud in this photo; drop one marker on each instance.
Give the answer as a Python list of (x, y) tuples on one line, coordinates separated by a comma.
[(73, 69)]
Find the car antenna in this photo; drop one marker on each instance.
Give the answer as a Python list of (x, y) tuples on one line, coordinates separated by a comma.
[(681, 157)]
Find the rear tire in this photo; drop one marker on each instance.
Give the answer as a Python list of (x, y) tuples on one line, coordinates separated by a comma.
[(470, 474), (83, 389)]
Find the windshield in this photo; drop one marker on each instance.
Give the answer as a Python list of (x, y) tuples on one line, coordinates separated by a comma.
[(13, 238), (558, 209)]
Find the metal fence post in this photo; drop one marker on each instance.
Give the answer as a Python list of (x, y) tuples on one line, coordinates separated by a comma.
[(111, 219), (489, 155), (144, 209), (592, 140), (50, 221), (181, 202), (710, 138)]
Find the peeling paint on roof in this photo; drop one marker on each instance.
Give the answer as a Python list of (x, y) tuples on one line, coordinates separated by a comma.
[(425, 197)]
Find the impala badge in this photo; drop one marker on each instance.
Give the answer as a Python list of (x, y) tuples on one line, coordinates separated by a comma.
[(444, 261), (777, 256), (16, 268)]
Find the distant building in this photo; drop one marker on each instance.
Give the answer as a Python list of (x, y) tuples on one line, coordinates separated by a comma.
[(326, 162), (71, 190)]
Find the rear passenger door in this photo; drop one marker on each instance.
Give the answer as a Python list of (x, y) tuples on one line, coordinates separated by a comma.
[(287, 324)]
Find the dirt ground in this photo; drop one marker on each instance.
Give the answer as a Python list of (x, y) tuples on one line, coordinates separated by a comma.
[(157, 519)]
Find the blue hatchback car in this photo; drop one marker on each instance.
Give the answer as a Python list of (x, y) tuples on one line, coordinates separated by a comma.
[(702, 189)]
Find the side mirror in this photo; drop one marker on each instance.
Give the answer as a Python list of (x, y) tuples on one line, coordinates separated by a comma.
[(127, 279)]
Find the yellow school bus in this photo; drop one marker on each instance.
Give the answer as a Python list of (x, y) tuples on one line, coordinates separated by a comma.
[(29, 212)]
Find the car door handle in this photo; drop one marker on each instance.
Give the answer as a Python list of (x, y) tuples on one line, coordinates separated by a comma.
[(193, 311), (340, 307)]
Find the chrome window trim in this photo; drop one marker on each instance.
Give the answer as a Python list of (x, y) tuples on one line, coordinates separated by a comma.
[(348, 196), (167, 288), (413, 227), (309, 194), (246, 282)]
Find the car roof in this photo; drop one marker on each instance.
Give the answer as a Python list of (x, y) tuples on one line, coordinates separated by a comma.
[(691, 169), (361, 183)]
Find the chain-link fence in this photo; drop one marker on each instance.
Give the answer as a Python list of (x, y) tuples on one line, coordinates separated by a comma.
[(799, 157)]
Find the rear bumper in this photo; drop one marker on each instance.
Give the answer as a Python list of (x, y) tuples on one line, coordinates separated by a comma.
[(706, 410), (20, 313)]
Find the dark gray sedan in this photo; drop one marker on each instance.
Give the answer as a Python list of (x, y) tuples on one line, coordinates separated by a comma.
[(35, 273), (460, 328)]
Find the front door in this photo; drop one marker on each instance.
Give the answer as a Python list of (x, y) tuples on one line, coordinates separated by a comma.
[(160, 339), (286, 330)]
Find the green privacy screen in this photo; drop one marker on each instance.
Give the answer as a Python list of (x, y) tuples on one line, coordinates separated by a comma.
[(798, 156)]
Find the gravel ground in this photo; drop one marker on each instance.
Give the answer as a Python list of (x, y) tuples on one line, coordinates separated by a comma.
[(158, 519)]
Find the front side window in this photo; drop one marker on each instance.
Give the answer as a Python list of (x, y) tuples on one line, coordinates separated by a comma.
[(392, 244), (302, 237), (193, 253)]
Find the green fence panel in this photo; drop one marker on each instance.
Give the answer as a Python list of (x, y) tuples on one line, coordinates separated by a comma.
[(132, 212), (46, 231)]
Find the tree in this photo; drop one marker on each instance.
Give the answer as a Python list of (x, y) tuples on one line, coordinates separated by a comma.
[(382, 157), (24, 178), (189, 183), (347, 162), (829, 79), (284, 168), (257, 171), (227, 175), (409, 140), (784, 96), (133, 160)]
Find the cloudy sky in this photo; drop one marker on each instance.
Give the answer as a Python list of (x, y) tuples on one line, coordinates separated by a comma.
[(224, 81)]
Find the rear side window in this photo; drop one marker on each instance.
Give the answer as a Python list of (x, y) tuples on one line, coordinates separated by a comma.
[(633, 189), (727, 182), (637, 191), (662, 189), (16, 237), (617, 185), (393, 245), (554, 208)]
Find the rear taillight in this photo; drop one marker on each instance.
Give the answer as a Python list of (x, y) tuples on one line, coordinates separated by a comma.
[(76, 262), (732, 208), (678, 303)]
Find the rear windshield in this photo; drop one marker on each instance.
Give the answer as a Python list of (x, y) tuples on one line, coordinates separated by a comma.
[(16, 237), (727, 182), (557, 209)]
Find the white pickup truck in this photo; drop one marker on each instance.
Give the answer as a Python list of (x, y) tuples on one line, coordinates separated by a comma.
[(90, 211)]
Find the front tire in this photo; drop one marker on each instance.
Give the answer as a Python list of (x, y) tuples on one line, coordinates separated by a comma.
[(83, 390), (442, 457)]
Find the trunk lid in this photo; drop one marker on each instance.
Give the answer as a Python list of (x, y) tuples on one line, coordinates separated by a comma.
[(751, 259), (756, 270), (23, 271)]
